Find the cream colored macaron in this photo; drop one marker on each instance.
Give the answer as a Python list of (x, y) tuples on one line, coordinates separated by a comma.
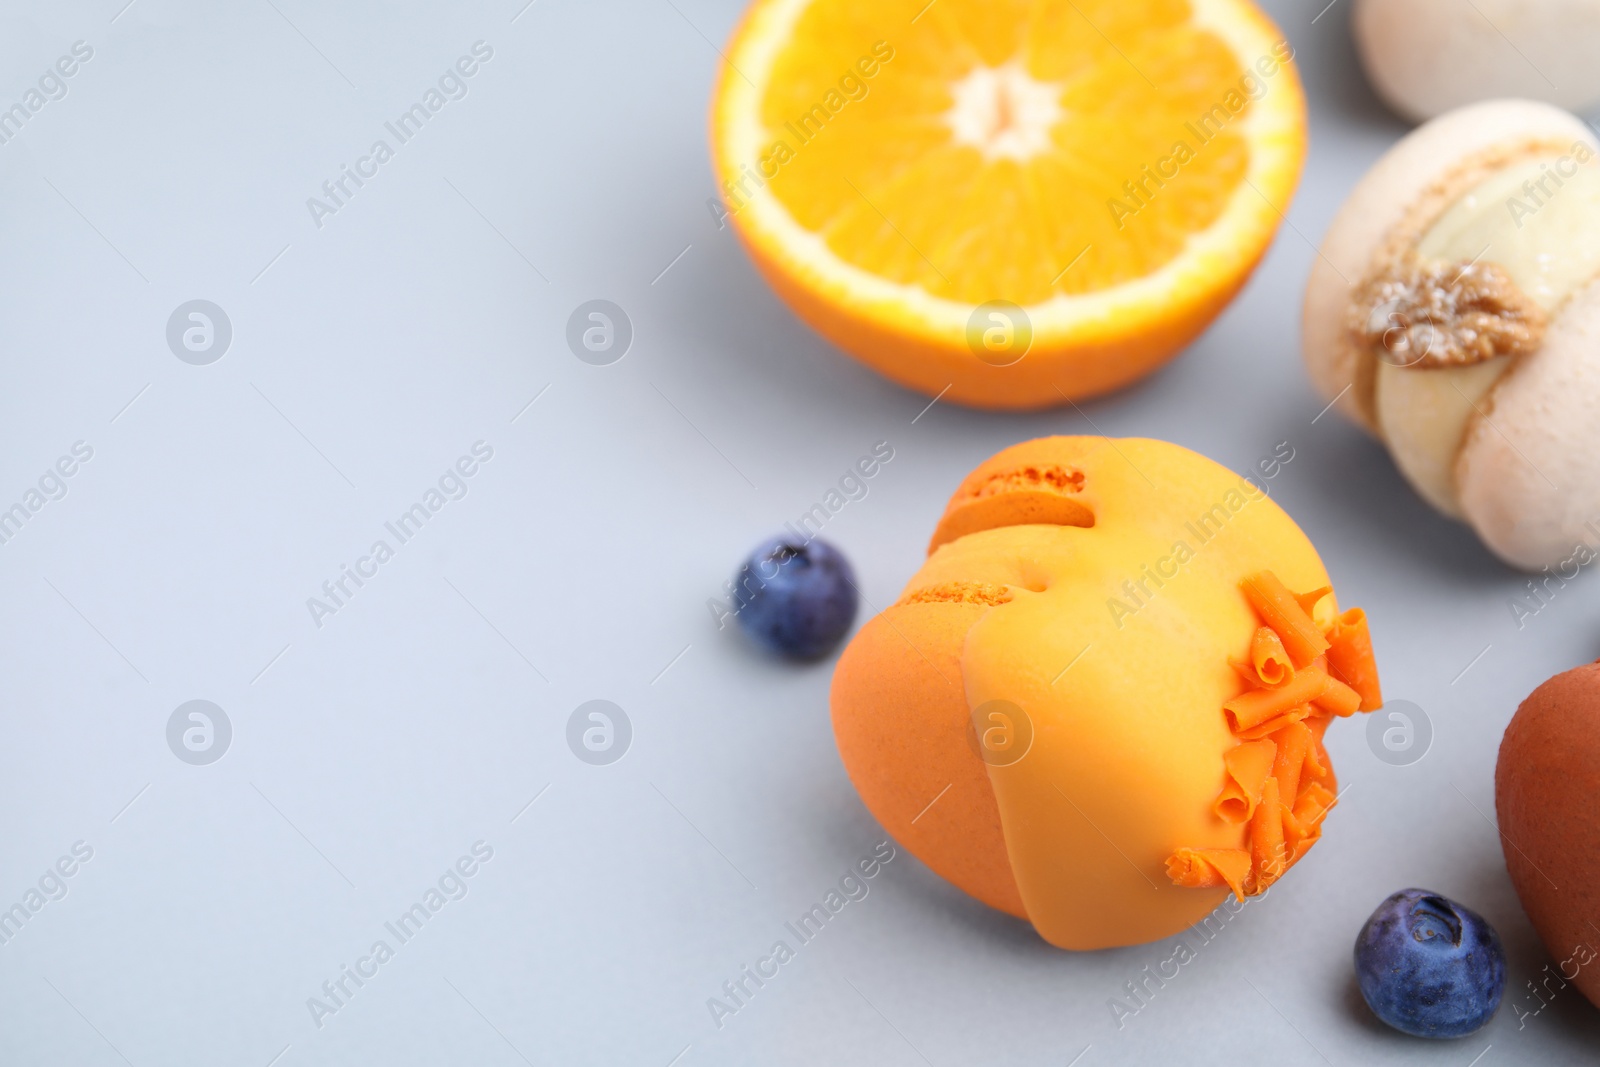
[(1454, 312), (1425, 57)]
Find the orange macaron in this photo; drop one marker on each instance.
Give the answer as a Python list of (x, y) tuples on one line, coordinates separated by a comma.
[(1099, 705), (1545, 783)]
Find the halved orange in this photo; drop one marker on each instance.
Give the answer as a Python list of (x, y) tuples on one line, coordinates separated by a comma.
[(1017, 201)]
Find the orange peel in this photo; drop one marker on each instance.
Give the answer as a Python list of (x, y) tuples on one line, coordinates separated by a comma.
[(1009, 203)]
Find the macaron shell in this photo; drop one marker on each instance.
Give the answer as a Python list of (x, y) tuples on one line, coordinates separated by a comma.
[(901, 722), (1407, 174), (1425, 57), (901, 717), (1019, 507), (1038, 481), (1546, 781), (1528, 474)]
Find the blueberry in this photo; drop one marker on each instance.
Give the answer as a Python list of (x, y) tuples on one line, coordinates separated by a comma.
[(796, 597), (1428, 966)]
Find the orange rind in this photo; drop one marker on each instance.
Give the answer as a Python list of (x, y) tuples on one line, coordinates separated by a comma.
[(1009, 203)]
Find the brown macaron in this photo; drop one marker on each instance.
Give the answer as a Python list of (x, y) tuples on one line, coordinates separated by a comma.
[(1545, 788)]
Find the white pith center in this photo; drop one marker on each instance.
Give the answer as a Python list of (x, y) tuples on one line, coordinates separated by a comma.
[(1004, 111)]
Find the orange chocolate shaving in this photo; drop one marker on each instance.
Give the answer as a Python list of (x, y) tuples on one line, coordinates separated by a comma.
[(1291, 745), (1338, 698), (1280, 610), (1268, 854), (1294, 831), (1279, 778), (1303, 847), (1309, 811), (1300, 838), (1298, 713), (1269, 659), (1206, 868), (1258, 706), (1313, 804), (1350, 657), (1248, 765), (1318, 768), (1246, 669), (1308, 601)]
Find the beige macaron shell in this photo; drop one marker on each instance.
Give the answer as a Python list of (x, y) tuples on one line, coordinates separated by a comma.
[(1425, 57), (1528, 476), (1401, 179)]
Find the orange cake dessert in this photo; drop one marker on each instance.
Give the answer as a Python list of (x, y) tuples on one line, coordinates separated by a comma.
[(1100, 704)]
